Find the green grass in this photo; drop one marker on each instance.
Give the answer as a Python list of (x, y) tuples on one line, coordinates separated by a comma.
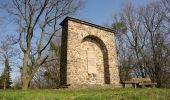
[(87, 94)]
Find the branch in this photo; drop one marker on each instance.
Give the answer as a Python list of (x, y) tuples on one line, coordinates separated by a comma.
[(41, 40), (37, 66), (20, 10), (43, 61), (20, 36), (49, 40), (42, 9)]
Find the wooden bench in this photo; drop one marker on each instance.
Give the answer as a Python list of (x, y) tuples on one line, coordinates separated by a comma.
[(134, 84), (139, 82)]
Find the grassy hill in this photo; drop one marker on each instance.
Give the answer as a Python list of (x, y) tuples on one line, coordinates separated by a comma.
[(87, 94)]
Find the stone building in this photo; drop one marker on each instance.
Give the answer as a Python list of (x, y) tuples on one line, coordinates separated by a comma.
[(88, 54)]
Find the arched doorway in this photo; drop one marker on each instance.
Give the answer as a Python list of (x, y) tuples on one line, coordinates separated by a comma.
[(94, 60)]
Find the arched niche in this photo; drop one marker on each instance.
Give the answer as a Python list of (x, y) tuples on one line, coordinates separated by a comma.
[(97, 41)]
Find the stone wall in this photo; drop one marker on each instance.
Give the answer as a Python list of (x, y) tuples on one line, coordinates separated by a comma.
[(88, 54)]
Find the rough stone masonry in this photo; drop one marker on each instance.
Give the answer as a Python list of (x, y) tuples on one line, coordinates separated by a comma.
[(88, 54)]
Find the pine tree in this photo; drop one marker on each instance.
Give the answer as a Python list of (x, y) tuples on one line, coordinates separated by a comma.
[(5, 80)]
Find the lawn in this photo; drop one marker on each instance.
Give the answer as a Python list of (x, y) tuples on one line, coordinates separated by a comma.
[(87, 94)]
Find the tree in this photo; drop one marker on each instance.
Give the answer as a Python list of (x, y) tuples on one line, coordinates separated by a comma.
[(7, 52), (136, 37), (131, 39), (38, 19), (146, 43), (48, 75), (52, 68), (124, 63), (5, 77), (153, 17)]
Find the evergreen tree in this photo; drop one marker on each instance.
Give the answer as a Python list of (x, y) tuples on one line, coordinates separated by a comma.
[(7, 53), (5, 80)]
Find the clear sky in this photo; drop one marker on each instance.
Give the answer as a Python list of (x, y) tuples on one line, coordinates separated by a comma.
[(95, 11), (101, 11)]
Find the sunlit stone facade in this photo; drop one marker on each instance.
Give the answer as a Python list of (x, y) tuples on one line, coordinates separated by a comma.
[(88, 55)]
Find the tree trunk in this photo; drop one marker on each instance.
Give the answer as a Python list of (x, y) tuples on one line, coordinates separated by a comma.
[(5, 84), (25, 74), (25, 85), (139, 63)]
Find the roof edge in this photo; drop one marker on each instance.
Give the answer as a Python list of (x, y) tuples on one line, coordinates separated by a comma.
[(86, 23)]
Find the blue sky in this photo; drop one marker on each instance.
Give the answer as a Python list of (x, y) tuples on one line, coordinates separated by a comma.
[(96, 11), (101, 11)]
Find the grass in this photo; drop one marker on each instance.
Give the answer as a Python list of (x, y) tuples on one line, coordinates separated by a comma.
[(87, 94)]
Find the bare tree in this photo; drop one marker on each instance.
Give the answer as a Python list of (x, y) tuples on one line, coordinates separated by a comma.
[(38, 19), (124, 58), (131, 39), (153, 17), (7, 52), (147, 41), (137, 35)]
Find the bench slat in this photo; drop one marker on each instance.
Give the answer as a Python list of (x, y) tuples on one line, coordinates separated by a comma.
[(147, 83), (129, 82)]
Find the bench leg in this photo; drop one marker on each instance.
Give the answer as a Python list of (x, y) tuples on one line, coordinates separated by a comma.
[(123, 85), (134, 85)]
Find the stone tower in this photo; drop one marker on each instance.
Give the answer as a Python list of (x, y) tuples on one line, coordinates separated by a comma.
[(88, 54)]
